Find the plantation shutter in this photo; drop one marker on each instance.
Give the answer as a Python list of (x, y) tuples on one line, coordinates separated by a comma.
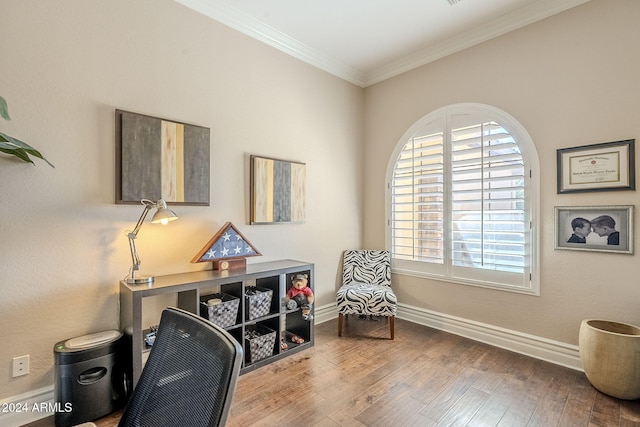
[(458, 202), (487, 200), (418, 198)]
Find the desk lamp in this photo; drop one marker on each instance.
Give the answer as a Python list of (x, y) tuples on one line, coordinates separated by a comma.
[(163, 215)]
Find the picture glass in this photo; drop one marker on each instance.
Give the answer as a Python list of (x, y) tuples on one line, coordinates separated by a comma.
[(595, 228), (599, 167)]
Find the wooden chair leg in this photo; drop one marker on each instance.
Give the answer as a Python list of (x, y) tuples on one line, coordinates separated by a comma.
[(340, 318), (391, 325)]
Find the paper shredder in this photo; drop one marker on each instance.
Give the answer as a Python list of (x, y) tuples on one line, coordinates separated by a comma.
[(89, 377)]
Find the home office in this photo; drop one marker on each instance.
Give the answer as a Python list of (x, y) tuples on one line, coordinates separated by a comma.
[(569, 79)]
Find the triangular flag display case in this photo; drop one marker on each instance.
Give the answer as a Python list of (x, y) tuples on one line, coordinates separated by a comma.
[(228, 249)]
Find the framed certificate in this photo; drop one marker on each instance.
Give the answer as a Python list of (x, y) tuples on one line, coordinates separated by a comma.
[(599, 167)]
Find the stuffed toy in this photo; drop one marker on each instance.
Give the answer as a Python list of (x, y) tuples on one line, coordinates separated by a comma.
[(300, 295)]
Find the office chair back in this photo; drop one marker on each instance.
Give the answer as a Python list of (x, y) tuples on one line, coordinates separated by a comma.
[(190, 376)]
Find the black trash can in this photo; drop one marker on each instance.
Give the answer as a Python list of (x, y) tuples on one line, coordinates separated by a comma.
[(89, 378)]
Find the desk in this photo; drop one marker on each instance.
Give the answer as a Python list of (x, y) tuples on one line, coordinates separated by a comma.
[(193, 287)]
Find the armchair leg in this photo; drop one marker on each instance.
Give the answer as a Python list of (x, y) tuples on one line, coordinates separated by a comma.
[(391, 325), (340, 319)]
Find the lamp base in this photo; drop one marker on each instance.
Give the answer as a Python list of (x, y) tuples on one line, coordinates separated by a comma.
[(137, 280)]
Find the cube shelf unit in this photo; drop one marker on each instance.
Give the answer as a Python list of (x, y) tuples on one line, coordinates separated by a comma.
[(194, 287)]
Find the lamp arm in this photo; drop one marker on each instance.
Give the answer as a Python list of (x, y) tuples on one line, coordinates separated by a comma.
[(148, 205), (135, 259)]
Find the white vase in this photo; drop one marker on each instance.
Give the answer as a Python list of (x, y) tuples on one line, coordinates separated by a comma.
[(610, 355)]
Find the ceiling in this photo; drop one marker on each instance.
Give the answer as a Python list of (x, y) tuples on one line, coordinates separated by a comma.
[(367, 41)]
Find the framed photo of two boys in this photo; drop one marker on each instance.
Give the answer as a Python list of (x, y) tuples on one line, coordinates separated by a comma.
[(594, 228)]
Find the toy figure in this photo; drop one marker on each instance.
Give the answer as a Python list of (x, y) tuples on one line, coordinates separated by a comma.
[(300, 295)]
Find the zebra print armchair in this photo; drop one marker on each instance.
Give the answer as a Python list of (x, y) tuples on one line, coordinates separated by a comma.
[(366, 287)]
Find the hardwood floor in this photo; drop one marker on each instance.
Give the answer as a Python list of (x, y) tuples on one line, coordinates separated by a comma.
[(424, 377)]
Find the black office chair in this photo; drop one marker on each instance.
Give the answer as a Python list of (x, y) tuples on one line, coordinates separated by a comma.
[(190, 376)]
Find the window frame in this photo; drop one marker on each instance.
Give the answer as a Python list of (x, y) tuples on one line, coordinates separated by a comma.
[(531, 200)]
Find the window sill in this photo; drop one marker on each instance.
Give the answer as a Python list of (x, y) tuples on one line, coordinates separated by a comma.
[(476, 283)]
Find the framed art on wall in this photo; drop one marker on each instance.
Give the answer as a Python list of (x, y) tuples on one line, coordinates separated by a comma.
[(277, 191), (594, 228), (608, 166), (161, 159)]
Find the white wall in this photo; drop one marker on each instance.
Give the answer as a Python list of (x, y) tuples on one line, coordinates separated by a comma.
[(571, 80), (66, 65)]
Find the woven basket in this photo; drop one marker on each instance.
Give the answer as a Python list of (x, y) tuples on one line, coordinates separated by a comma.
[(259, 341), (224, 314), (259, 301)]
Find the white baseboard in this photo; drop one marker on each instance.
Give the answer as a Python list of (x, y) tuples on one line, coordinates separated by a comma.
[(530, 345), (545, 349), (325, 313), (26, 408)]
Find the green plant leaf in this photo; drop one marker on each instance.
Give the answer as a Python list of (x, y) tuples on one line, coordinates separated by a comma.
[(20, 149), (18, 152), (13, 146), (4, 109)]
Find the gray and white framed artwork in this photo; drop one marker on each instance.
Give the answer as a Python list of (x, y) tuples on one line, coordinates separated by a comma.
[(161, 159)]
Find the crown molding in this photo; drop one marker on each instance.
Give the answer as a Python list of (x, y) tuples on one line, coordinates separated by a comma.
[(499, 26), (240, 21), (257, 29)]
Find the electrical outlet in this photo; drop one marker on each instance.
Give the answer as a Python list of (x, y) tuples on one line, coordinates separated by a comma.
[(20, 365)]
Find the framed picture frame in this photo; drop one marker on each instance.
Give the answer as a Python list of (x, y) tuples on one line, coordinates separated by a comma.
[(161, 159), (608, 166), (277, 191), (594, 228)]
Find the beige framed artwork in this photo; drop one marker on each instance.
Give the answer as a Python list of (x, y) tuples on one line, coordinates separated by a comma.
[(161, 159), (277, 191)]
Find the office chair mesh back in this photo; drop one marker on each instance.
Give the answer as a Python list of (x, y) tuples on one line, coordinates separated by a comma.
[(190, 376)]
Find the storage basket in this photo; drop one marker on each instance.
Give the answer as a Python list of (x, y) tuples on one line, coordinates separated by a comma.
[(258, 300), (223, 314), (259, 342)]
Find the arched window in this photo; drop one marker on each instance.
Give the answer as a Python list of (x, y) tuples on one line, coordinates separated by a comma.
[(462, 199)]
